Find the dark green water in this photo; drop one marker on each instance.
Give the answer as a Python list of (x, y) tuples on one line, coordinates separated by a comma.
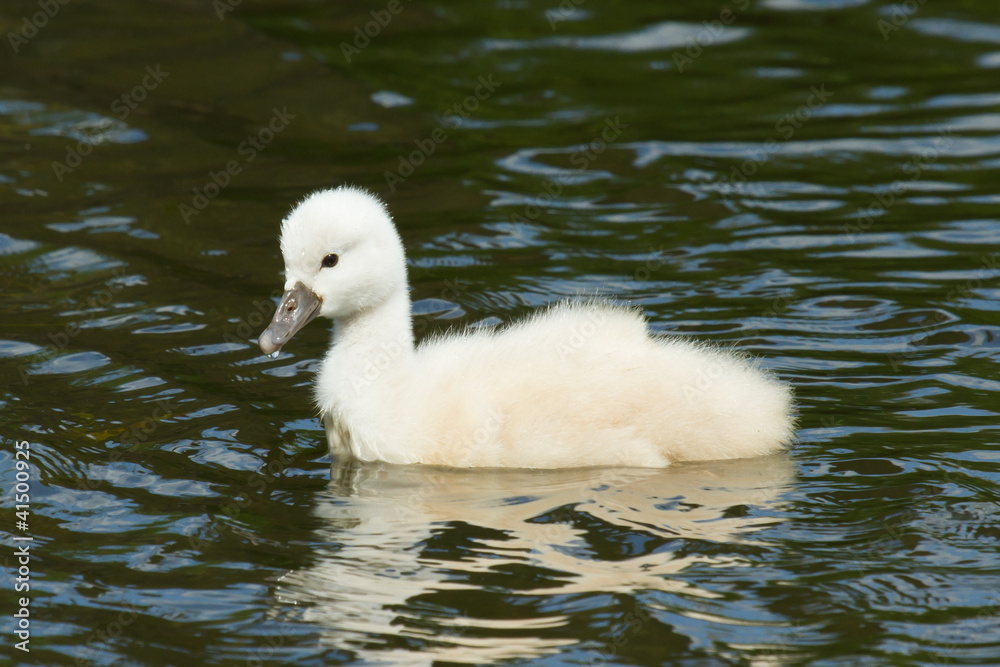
[(812, 180)]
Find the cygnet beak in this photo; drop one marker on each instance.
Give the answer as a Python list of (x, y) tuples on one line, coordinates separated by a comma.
[(297, 308)]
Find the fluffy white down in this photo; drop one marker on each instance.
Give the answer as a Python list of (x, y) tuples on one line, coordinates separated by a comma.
[(577, 384)]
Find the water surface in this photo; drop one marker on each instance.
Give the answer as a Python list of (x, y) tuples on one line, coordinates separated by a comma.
[(812, 181)]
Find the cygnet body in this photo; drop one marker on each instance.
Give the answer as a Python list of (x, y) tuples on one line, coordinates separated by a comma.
[(576, 384)]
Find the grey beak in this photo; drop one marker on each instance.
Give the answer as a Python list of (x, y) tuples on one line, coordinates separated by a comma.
[(297, 308)]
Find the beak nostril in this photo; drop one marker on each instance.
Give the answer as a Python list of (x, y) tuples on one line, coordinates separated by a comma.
[(297, 308)]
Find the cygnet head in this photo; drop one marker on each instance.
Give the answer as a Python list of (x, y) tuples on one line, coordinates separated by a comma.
[(342, 256)]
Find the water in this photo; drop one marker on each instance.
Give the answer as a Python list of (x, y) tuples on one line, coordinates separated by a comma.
[(811, 180)]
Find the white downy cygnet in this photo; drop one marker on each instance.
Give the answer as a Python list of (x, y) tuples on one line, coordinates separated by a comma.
[(576, 384)]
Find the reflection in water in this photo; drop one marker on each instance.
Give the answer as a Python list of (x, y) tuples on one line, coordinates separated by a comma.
[(402, 544), (859, 260)]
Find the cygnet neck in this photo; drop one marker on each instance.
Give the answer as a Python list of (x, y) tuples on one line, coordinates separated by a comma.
[(373, 334)]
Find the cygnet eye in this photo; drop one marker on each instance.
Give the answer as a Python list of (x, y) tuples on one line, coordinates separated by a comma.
[(330, 260)]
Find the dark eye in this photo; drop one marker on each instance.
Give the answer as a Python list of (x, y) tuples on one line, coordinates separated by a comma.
[(330, 260)]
